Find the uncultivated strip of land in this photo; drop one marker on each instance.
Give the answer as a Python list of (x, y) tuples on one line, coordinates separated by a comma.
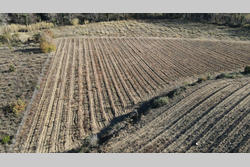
[(27, 63), (93, 80), (155, 28)]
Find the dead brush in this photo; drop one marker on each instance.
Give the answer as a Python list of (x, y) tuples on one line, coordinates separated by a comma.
[(75, 21), (47, 44), (47, 47), (86, 21), (6, 37), (13, 28)]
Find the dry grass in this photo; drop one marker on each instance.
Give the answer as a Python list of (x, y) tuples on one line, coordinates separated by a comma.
[(75, 21), (24, 28), (47, 44), (47, 47), (86, 21)]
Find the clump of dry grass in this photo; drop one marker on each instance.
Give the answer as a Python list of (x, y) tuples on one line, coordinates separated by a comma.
[(6, 37), (47, 44), (24, 28), (19, 106), (47, 47), (10, 39), (75, 21), (39, 26), (86, 21)]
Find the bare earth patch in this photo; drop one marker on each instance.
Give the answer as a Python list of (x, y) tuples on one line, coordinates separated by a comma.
[(20, 68)]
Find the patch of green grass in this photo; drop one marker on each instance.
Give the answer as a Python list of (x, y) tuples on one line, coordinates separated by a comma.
[(5, 139)]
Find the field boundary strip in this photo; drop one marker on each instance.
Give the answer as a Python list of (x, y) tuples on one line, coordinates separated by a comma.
[(43, 73)]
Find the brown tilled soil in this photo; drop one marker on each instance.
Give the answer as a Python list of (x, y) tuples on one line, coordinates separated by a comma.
[(209, 117), (91, 81), (18, 84)]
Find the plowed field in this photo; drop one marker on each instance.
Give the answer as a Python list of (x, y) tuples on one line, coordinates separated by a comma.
[(213, 117), (92, 80)]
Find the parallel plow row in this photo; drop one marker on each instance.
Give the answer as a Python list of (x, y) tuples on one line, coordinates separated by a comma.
[(213, 118), (92, 80)]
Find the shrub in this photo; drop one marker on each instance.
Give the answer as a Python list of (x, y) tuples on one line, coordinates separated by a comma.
[(223, 75), (12, 68), (18, 106), (6, 37), (209, 77), (201, 79), (49, 33), (247, 70), (230, 75), (36, 37), (47, 47), (86, 21), (6, 139), (75, 21), (161, 101), (246, 26), (46, 42)]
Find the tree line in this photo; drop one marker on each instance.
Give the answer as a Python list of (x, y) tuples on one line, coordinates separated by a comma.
[(231, 19)]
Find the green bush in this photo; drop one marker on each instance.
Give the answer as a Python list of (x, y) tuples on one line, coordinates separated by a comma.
[(161, 101), (12, 68), (247, 70), (16, 107), (6, 139), (223, 75)]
